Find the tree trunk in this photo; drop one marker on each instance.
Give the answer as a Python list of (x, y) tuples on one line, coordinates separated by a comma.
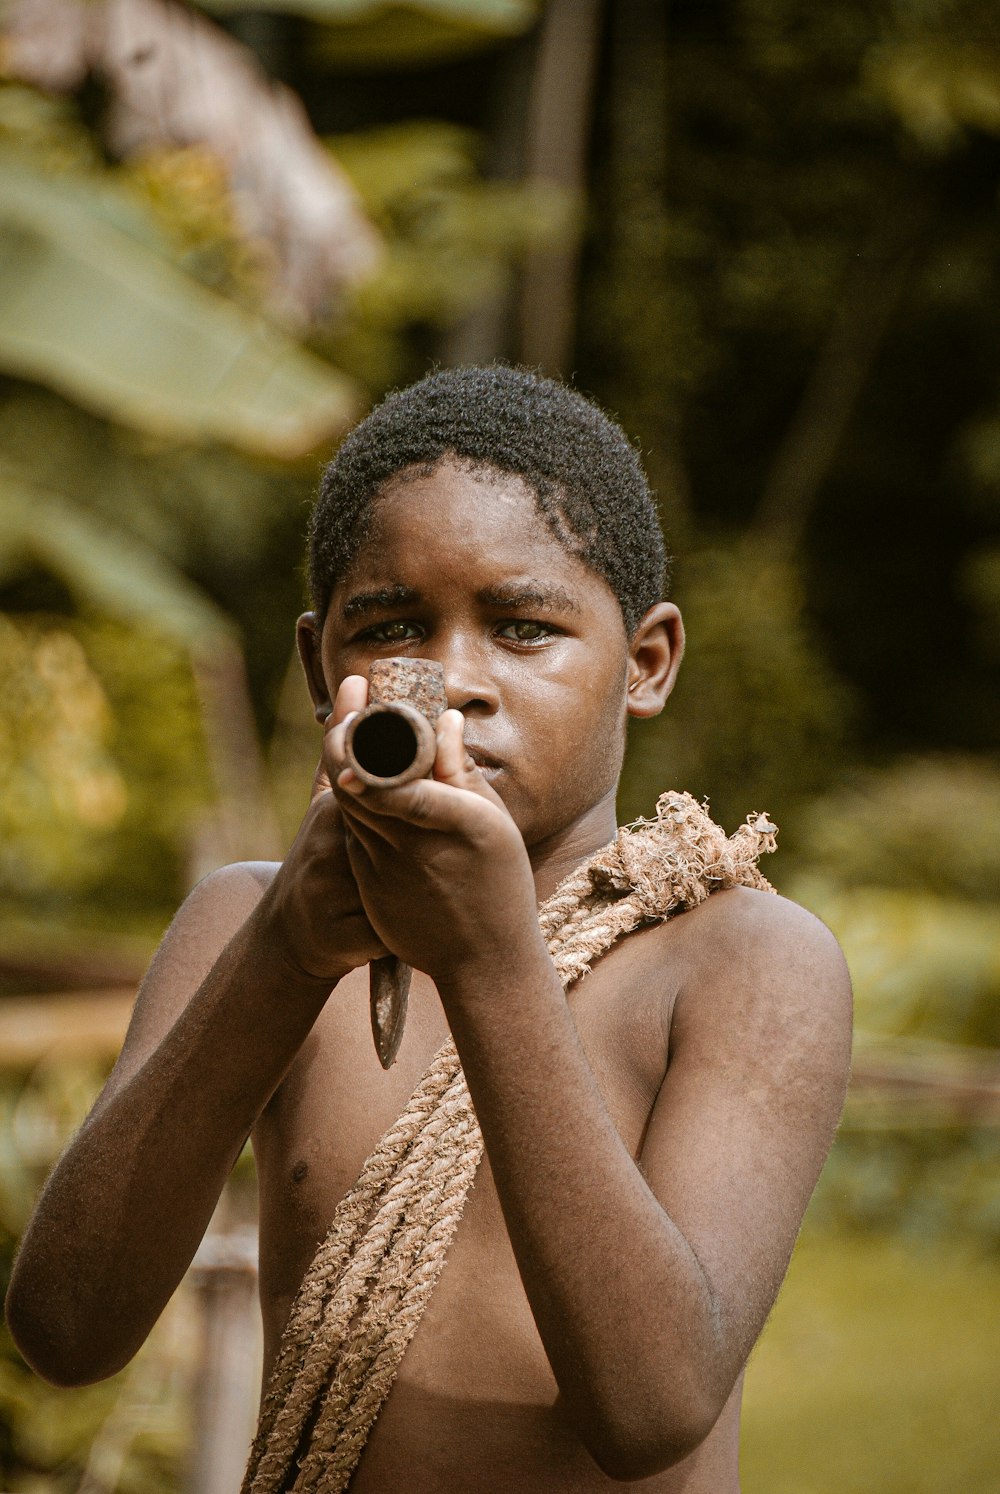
[(559, 114), (871, 292)]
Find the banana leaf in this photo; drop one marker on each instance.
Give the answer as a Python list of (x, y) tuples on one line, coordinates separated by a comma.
[(102, 565), (90, 310)]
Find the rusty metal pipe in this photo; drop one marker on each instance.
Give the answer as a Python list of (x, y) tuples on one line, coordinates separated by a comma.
[(393, 741), (389, 744)]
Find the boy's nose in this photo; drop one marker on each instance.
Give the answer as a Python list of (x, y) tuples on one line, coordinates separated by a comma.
[(468, 682)]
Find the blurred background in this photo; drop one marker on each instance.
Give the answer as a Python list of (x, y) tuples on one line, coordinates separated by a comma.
[(764, 233)]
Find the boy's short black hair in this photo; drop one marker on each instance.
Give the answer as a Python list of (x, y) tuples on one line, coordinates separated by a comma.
[(585, 474)]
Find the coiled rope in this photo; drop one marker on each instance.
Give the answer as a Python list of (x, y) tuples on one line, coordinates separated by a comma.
[(363, 1296)]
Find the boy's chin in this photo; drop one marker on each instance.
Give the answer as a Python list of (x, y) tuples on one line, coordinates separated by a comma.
[(548, 818)]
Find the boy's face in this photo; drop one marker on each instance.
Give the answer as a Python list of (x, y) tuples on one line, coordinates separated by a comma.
[(461, 568)]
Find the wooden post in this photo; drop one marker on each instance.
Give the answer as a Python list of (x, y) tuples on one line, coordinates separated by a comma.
[(227, 1385)]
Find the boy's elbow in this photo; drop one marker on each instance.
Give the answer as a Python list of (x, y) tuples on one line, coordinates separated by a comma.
[(60, 1355), (60, 1363), (638, 1443), (639, 1455)]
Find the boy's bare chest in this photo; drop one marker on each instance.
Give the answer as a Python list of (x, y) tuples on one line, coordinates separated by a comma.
[(478, 1336), (475, 1405)]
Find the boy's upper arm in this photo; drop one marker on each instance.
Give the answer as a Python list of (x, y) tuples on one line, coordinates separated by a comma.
[(209, 917), (759, 1057)]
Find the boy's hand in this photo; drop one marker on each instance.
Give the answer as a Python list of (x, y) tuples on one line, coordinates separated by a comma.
[(315, 904), (442, 868)]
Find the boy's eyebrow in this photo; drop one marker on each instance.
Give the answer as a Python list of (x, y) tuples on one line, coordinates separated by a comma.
[(364, 602), (538, 594)]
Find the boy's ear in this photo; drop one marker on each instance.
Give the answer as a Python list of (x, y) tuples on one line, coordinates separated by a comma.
[(308, 635), (654, 658)]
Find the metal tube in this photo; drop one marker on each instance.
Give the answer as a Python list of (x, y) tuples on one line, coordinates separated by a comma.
[(390, 743), (393, 741)]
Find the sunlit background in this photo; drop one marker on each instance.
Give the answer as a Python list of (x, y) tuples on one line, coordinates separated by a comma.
[(766, 234)]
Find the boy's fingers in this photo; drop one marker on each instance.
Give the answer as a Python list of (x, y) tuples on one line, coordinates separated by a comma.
[(351, 698), (358, 812), (453, 765), (428, 803), (362, 842)]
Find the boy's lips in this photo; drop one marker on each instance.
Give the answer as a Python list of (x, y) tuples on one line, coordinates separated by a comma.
[(482, 759)]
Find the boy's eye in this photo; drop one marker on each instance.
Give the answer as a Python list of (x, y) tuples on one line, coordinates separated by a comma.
[(525, 631), (392, 632)]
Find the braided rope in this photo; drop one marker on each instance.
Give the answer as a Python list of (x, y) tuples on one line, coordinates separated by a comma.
[(363, 1296)]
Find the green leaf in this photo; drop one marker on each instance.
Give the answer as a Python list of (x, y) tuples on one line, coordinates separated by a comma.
[(102, 564), (938, 88), (90, 310)]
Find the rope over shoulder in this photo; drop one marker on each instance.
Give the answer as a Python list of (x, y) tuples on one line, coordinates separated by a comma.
[(652, 870), (362, 1298)]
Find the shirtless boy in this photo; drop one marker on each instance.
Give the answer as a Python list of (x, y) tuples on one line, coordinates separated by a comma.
[(633, 1218)]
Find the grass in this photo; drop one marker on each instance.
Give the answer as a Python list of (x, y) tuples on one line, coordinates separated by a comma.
[(878, 1373)]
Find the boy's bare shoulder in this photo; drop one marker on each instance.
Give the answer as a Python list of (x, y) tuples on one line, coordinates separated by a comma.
[(763, 972), (211, 914), (748, 919), (745, 953), (742, 925), (239, 880)]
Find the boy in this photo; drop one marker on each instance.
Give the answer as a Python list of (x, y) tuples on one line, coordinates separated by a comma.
[(633, 1217)]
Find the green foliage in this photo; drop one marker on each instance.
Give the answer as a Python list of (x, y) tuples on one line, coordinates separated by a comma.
[(938, 68), (102, 767), (407, 33), (60, 789), (758, 717), (748, 160), (922, 824), (453, 241), (921, 1182), (88, 262), (923, 966), (186, 509), (158, 742), (904, 869), (101, 564)]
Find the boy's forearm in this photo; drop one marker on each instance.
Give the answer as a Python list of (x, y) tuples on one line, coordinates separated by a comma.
[(625, 1312), (127, 1206)]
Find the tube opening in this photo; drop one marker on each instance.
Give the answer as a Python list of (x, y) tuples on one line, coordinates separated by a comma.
[(384, 744)]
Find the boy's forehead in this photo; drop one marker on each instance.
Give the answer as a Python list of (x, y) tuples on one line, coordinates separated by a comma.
[(478, 532), (480, 491), (453, 509)]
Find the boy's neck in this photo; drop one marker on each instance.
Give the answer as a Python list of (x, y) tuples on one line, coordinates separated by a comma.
[(553, 859)]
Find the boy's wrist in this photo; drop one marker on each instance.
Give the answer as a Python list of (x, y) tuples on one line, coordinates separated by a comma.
[(280, 949), (489, 974)]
